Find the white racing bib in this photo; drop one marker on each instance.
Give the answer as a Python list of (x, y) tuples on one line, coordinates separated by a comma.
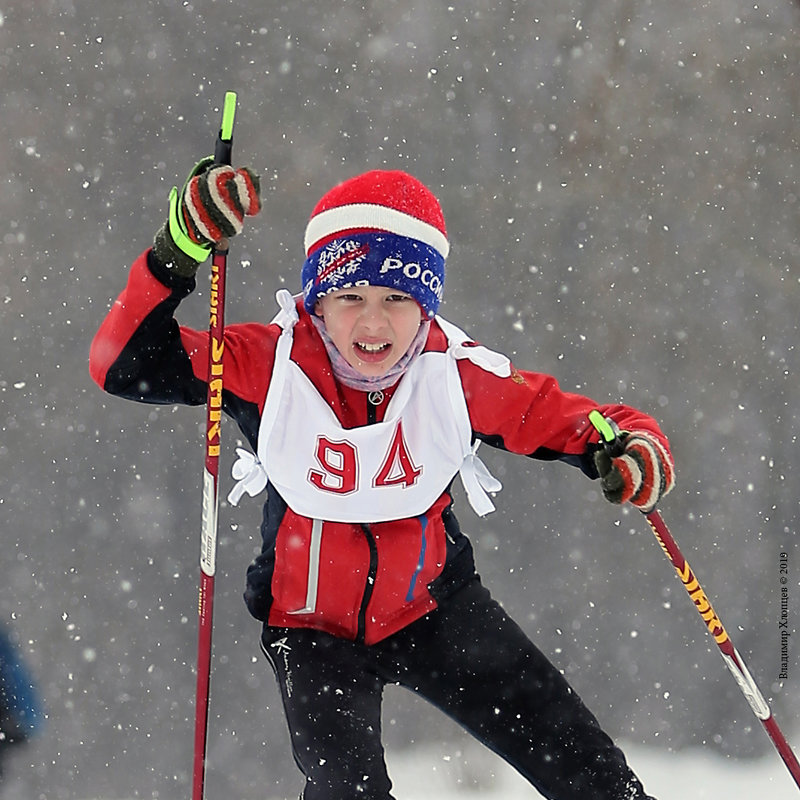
[(388, 470)]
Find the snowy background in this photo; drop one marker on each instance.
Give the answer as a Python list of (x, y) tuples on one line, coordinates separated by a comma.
[(620, 182)]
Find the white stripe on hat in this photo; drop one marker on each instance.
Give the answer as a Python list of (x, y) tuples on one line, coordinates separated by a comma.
[(373, 217)]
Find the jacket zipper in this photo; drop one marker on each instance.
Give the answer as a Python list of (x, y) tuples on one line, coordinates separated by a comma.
[(369, 586), (370, 582)]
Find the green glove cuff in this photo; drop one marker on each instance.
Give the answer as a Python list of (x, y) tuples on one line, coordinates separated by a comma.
[(180, 238), (177, 228), (172, 245)]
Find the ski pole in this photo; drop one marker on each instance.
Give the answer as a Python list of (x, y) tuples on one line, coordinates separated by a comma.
[(730, 654), (208, 534)]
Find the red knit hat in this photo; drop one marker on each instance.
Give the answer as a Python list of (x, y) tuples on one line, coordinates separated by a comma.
[(381, 228)]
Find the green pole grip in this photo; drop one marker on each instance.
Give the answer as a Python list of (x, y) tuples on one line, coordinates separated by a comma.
[(602, 426)]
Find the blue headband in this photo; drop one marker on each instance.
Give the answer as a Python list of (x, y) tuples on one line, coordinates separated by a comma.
[(375, 259)]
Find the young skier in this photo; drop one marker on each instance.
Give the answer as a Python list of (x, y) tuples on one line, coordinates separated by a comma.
[(361, 405)]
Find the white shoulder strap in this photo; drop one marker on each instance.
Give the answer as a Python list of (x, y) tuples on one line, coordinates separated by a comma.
[(247, 470), (475, 475), (481, 356)]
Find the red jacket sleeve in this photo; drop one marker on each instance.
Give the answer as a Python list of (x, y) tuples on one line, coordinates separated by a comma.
[(141, 353), (140, 297), (528, 413)]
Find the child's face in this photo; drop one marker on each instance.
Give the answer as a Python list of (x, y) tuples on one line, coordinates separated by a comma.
[(371, 326)]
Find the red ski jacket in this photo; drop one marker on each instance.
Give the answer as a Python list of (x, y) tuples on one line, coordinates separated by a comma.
[(373, 578)]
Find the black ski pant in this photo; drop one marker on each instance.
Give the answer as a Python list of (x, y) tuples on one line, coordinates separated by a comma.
[(469, 658)]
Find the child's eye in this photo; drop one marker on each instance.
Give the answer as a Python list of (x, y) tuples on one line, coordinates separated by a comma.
[(398, 298)]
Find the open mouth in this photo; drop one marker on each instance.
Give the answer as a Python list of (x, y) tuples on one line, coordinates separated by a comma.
[(372, 352), (369, 347)]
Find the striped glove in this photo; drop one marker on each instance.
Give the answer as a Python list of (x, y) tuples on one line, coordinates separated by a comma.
[(213, 204), (642, 474)]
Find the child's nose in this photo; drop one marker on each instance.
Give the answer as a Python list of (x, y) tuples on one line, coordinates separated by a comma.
[(373, 314)]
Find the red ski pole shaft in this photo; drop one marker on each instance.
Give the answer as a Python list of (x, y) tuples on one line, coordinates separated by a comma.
[(208, 536), (730, 654)]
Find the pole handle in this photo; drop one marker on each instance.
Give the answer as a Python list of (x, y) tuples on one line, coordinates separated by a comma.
[(224, 145), (223, 148), (609, 430)]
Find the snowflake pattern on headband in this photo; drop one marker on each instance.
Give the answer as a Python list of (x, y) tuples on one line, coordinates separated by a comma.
[(339, 259)]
